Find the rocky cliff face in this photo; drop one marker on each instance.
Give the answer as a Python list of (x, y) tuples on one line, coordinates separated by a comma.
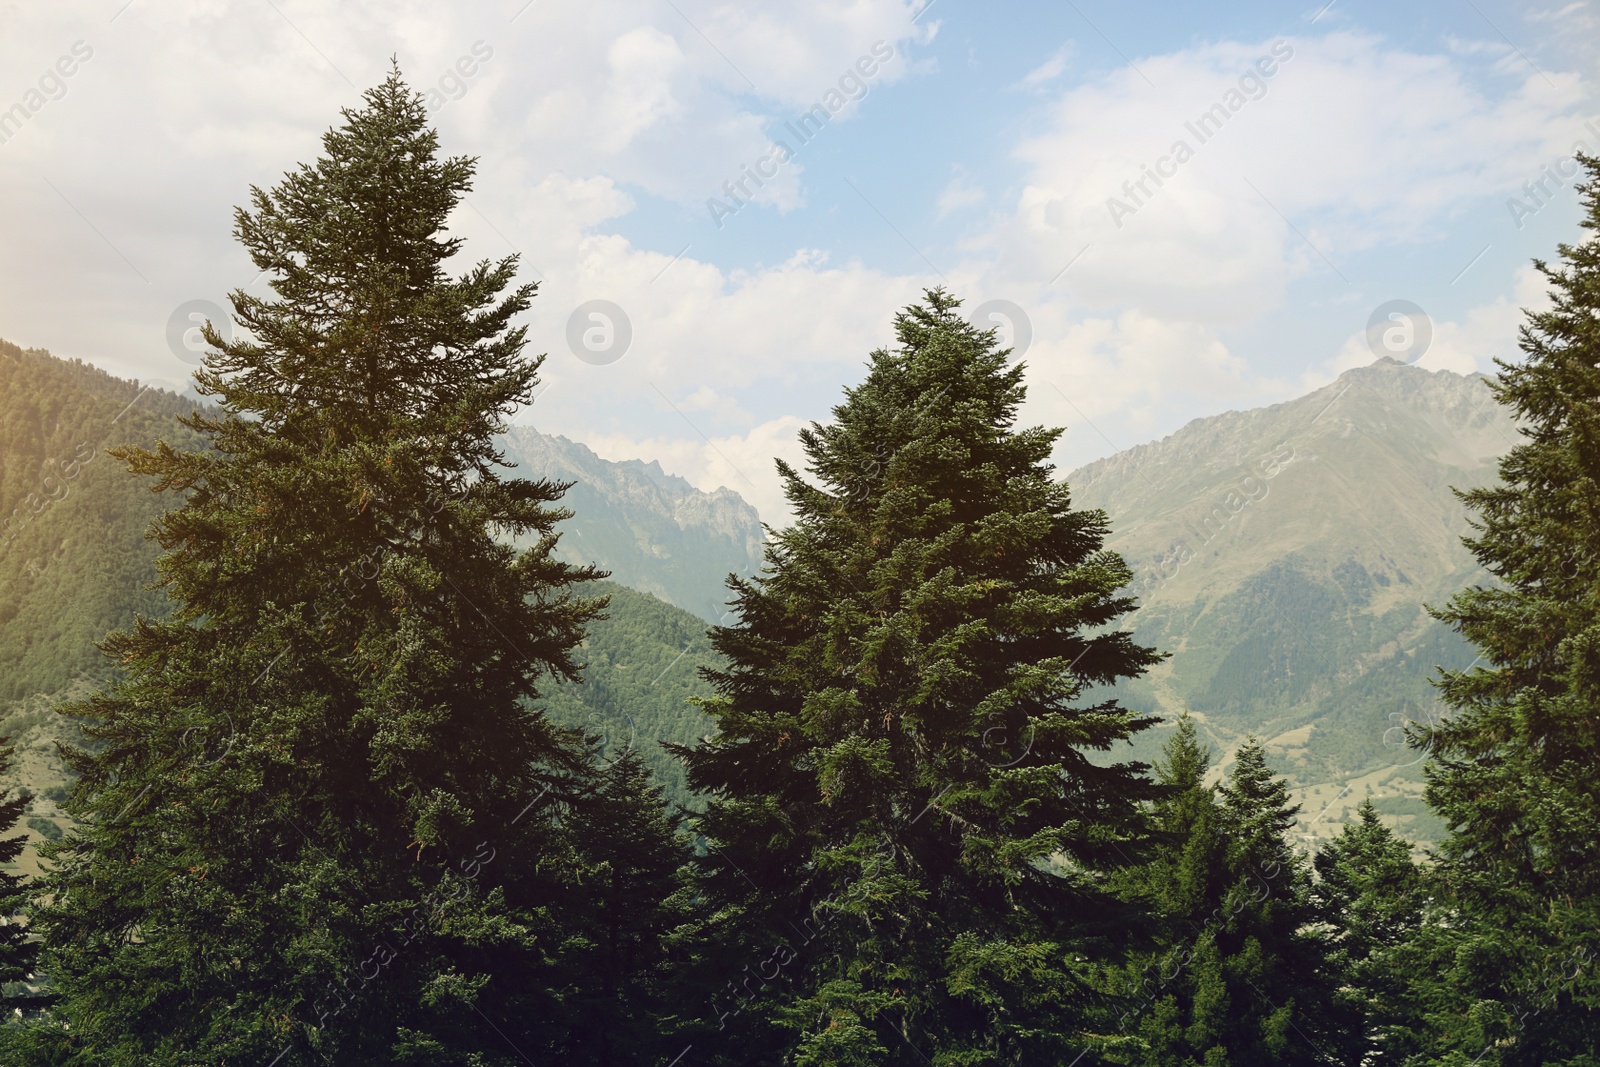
[(1285, 555), (652, 530)]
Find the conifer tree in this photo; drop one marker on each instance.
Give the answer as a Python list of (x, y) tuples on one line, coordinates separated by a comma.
[(17, 949), (633, 852), (1187, 864), (1242, 976), (322, 820), (1370, 895), (1183, 886), (1514, 766), (908, 842), (1269, 989)]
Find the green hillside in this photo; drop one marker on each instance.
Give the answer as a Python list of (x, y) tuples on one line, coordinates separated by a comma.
[(74, 563), (73, 560), (1283, 556), (643, 667)]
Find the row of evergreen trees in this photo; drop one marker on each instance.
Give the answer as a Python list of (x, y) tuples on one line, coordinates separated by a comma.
[(321, 818)]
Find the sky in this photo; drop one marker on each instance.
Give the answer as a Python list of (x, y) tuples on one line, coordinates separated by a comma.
[(1172, 210)]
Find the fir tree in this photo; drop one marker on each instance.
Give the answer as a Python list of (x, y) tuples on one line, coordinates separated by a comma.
[(1371, 895), (1182, 886), (633, 851), (1514, 766), (1270, 992), (321, 819), (908, 841), (1243, 975), (1185, 868)]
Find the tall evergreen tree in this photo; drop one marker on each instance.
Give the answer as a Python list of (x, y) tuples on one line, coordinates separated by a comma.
[(633, 852), (1370, 896), (1183, 886), (1271, 989), (321, 819), (1514, 766), (908, 840), (1186, 865)]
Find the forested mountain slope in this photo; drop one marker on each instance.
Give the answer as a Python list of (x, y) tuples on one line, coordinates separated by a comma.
[(1283, 555), (73, 560), (643, 667)]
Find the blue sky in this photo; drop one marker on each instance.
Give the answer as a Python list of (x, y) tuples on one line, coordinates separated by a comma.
[(1377, 162)]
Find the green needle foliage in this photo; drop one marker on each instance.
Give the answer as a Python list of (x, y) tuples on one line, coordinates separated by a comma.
[(17, 950), (1183, 887), (1270, 992), (1515, 765), (908, 840), (1371, 897), (320, 817), (1243, 976), (632, 886)]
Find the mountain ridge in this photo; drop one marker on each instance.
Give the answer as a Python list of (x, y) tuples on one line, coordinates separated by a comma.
[(74, 565), (653, 531), (1284, 555)]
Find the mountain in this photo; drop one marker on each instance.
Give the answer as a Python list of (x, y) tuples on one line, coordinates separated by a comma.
[(1284, 556), (74, 563), (653, 531)]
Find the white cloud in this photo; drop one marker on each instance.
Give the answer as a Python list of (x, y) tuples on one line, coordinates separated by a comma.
[(695, 325), (1049, 70), (1485, 333), (185, 106), (792, 56), (1320, 145), (639, 96), (1128, 344), (583, 112), (1116, 381)]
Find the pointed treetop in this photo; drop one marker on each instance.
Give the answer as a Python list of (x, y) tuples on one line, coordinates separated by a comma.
[(367, 326), (1184, 758), (1256, 797)]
